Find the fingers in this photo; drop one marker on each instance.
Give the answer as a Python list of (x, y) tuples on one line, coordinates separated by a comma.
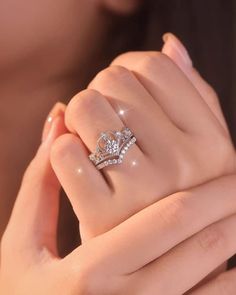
[(171, 89), (175, 218), (225, 283), (201, 253), (34, 218), (83, 183), (89, 114), (178, 53), (135, 106)]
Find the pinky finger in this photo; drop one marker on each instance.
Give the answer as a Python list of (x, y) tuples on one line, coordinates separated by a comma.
[(225, 283), (178, 53)]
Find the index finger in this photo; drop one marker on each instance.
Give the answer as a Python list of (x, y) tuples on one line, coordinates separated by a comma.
[(155, 230)]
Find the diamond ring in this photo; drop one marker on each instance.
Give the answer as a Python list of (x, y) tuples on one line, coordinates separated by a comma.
[(111, 147)]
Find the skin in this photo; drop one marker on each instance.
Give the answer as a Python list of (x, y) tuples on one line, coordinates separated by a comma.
[(31, 264), (46, 61), (133, 254), (159, 166)]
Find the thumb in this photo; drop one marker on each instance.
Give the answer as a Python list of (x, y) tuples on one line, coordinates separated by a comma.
[(34, 217), (174, 48)]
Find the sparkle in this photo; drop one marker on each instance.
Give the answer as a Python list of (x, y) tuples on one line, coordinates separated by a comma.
[(112, 146), (121, 112), (49, 119), (79, 170), (134, 163)]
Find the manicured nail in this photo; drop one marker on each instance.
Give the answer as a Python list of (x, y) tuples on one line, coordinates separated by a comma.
[(177, 45), (57, 110)]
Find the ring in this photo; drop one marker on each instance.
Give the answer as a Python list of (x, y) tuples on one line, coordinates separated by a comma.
[(111, 147)]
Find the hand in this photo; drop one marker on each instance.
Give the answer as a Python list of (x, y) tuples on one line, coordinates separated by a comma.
[(222, 284), (182, 138), (82, 281), (150, 253)]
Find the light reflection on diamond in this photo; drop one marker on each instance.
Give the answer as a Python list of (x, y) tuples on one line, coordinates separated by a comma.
[(112, 146)]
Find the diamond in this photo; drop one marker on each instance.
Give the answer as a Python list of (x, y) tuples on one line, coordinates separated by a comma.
[(127, 133), (92, 157), (112, 146), (118, 133)]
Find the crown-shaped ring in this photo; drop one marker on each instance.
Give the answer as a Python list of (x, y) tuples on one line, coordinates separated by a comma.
[(111, 147)]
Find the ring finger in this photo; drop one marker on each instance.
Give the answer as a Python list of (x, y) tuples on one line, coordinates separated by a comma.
[(89, 114)]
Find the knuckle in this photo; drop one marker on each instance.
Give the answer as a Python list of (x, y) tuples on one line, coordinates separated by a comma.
[(109, 76), (212, 95), (60, 147), (212, 239), (154, 60), (188, 166), (89, 281), (177, 211), (86, 100), (123, 57), (92, 277), (86, 282), (228, 152)]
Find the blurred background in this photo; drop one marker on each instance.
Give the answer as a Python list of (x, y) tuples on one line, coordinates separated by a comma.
[(64, 44)]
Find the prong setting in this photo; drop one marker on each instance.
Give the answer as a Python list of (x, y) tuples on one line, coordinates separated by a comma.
[(112, 147)]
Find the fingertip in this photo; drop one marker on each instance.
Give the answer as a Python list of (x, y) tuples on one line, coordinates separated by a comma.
[(57, 128), (37, 204), (40, 168), (58, 110), (175, 49)]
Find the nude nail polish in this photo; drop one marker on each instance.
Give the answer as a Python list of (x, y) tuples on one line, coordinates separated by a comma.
[(56, 111), (171, 40)]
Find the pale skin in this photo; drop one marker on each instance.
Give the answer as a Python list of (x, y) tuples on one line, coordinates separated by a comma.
[(136, 240), (49, 50), (142, 85)]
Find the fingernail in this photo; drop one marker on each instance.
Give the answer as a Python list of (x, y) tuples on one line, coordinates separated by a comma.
[(56, 111), (171, 40)]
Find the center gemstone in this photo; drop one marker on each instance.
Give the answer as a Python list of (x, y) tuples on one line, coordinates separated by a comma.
[(112, 147)]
